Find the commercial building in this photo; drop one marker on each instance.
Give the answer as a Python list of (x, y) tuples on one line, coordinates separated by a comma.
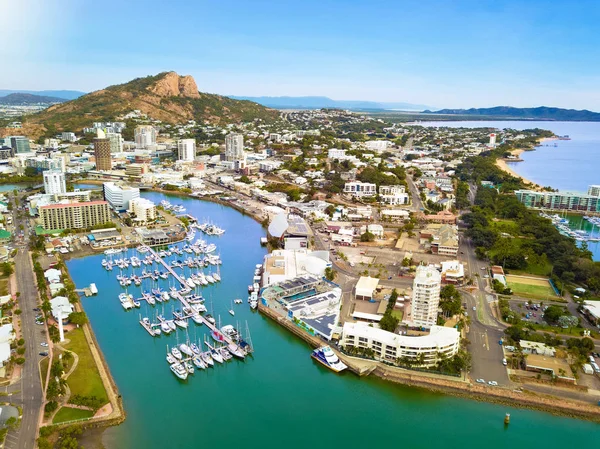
[(426, 296), (41, 163), (20, 144), (291, 229), (116, 142), (74, 215), (54, 182), (186, 150), (358, 189), (61, 309), (441, 342), (442, 239), (365, 288), (442, 217), (586, 202), (284, 264), (453, 272), (145, 136), (119, 195), (102, 152), (143, 209)]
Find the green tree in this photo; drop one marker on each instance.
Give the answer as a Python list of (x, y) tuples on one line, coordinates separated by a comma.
[(78, 318), (330, 274)]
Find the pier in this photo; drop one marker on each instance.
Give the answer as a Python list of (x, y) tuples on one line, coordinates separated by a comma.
[(167, 267)]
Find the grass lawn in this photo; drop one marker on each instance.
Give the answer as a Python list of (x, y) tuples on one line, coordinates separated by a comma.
[(3, 286), (398, 314), (533, 291), (85, 380), (71, 414), (573, 331)]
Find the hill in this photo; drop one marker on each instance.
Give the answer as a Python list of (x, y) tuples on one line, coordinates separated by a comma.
[(325, 102), (21, 99), (166, 96), (539, 113), (62, 94)]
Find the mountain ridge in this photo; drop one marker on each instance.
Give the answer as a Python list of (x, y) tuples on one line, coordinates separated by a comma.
[(22, 99), (62, 94), (509, 112), (166, 96)]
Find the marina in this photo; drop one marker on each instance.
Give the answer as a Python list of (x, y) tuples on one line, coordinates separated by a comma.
[(282, 384)]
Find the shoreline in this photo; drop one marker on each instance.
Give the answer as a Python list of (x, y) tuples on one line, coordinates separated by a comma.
[(502, 163)]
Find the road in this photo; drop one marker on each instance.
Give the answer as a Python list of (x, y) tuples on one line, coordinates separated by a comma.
[(27, 392), (414, 192)]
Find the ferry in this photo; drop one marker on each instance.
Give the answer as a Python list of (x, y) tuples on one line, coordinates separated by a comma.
[(327, 357)]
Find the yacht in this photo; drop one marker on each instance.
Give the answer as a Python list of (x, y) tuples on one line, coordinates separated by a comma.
[(327, 357), (179, 370), (189, 367), (217, 277), (225, 354), (181, 323), (210, 318), (215, 354), (176, 353), (196, 318), (207, 359), (195, 349), (170, 358), (186, 349), (217, 336), (236, 351), (199, 363), (165, 327)]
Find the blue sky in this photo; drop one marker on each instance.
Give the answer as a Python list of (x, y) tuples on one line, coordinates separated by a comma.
[(441, 53)]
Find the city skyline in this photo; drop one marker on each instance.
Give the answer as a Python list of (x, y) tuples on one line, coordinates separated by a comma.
[(468, 54)]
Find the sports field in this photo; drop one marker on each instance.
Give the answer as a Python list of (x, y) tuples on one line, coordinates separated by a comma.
[(531, 287)]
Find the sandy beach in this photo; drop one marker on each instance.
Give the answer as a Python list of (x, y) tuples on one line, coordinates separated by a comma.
[(502, 163)]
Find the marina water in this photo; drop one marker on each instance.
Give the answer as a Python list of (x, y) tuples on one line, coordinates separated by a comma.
[(569, 165), (279, 397)]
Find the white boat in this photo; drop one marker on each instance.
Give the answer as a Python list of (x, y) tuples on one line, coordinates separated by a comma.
[(196, 318), (165, 327), (181, 323), (179, 370), (236, 351), (216, 355), (176, 353), (225, 354), (237, 301), (253, 304), (190, 282), (327, 357), (189, 367), (199, 363), (170, 358), (207, 359), (186, 349)]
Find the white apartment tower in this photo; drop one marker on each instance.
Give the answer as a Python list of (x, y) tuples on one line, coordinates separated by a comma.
[(186, 150), (426, 296), (234, 147), (54, 182), (116, 142), (145, 136), (492, 140)]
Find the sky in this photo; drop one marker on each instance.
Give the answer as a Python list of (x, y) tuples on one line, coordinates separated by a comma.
[(454, 54)]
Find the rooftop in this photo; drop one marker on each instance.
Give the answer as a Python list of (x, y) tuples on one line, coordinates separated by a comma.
[(62, 206)]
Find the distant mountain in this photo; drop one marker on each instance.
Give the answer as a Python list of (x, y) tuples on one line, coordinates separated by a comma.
[(325, 102), (63, 94), (166, 96), (540, 113), (21, 99)]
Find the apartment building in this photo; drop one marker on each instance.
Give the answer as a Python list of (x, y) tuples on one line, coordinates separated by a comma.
[(426, 296), (74, 215), (119, 195), (393, 195), (390, 347), (186, 150), (358, 189), (54, 182), (587, 202), (143, 209)]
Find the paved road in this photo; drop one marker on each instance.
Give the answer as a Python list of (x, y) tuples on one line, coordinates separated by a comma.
[(28, 390), (414, 192)]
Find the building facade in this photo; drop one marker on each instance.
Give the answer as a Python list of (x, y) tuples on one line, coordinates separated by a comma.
[(426, 296), (102, 152), (393, 348), (20, 144), (41, 163), (393, 195), (357, 188), (143, 209), (234, 147), (145, 136), (186, 150), (116, 142), (74, 215), (119, 195), (586, 202), (54, 182)]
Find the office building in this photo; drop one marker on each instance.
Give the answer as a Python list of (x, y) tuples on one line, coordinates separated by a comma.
[(145, 136), (426, 296), (561, 200), (6, 153), (20, 144), (54, 182), (234, 147), (441, 342), (74, 215), (119, 195), (116, 142), (144, 210), (186, 150), (102, 151)]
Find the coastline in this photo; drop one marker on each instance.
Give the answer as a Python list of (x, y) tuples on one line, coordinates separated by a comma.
[(502, 163)]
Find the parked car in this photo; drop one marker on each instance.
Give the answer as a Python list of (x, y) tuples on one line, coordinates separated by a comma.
[(480, 381), (504, 362), (44, 344), (44, 354), (493, 383)]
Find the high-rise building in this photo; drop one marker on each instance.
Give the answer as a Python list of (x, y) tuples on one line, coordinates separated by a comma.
[(102, 151), (426, 296), (74, 215), (143, 209), (54, 182), (492, 140), (119, 195), (116, 142), (186, 149), (20, 144), (145, 135), (234, 147)]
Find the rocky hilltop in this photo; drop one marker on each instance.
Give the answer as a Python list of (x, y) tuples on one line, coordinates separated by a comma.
[(167, 96)]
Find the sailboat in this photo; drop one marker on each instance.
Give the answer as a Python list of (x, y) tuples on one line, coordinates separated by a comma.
[(231, 311)]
